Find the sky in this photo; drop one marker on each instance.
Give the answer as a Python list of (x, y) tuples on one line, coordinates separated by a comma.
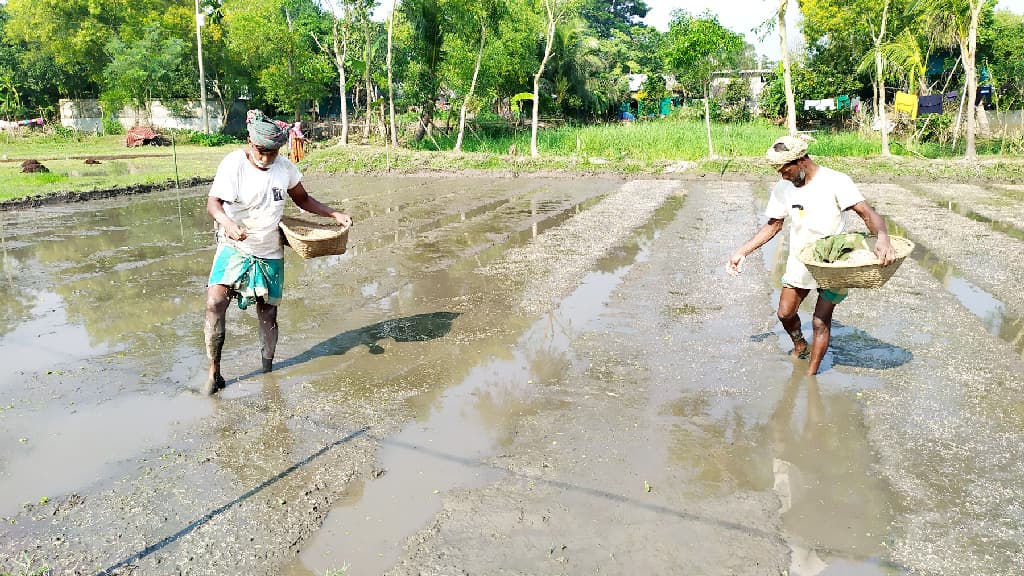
[(744, 15)]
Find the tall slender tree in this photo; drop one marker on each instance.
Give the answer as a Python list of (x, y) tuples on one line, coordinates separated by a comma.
[(554, 11)]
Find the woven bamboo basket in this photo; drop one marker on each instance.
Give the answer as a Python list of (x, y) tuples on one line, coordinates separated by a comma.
[(830, 275), (313, 239)]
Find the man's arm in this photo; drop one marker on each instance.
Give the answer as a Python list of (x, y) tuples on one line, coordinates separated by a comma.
[(303, 200), (876, 225), (766, 233), (215, 206)]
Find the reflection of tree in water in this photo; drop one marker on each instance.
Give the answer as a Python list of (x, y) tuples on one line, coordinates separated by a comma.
[(15, 301), (725, 454)]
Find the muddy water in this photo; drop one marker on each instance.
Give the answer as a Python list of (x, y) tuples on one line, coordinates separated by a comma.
[(452, 438)]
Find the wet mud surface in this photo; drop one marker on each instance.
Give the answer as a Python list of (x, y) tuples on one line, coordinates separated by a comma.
[(511, 376)]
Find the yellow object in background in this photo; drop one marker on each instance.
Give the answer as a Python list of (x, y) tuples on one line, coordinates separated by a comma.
[(907, 103)]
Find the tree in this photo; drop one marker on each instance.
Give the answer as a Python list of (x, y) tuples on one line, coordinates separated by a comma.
[(343, 13), (477, 15), (274, 40), (140, 69), (604, 17), (696, 48), (391, 84), (787, 73), (957, 21), (1006, 47), (425, 18), (554, 12)]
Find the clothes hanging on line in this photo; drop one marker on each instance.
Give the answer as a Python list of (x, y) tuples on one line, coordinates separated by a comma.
[(907, 103), (855, 103), (931, 104), (820, 105), (984, 97), (951, 96), (842, 102)]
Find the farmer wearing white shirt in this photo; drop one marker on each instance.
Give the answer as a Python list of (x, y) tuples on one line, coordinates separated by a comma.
[(816, 200), (247, 200)]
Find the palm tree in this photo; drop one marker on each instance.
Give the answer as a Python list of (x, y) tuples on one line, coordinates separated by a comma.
[(956, 23)]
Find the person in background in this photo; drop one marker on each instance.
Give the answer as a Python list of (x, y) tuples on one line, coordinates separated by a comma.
[(816, 199), (296, 143), (247, 201)]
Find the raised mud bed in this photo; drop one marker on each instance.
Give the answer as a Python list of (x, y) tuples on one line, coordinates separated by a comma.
[(82, 196)]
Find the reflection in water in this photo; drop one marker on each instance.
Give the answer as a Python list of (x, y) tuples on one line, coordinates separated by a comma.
[(993, 313), (467, 422), (261, 445), (835, 511)]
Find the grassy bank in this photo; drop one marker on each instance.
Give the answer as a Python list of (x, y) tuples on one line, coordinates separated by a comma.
[(674, 140), (643, 148), (118, 166)]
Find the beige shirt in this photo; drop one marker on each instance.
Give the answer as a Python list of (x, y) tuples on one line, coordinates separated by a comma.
[(815, 210)]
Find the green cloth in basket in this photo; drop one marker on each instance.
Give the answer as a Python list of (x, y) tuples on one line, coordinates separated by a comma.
[(838, 246)]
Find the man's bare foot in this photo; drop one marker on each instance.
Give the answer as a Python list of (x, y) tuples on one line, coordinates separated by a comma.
[(801, 350), (215, 383)]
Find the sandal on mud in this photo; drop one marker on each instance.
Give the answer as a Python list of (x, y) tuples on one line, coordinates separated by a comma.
[(213, 385)]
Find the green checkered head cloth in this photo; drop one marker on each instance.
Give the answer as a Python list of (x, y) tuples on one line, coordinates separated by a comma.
[(264, 132)]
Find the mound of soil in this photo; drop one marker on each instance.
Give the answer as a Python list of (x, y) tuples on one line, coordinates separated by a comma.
[(33, 166)]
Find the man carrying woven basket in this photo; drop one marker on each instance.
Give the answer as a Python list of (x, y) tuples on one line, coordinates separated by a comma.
[(247, 201), (815, 199)]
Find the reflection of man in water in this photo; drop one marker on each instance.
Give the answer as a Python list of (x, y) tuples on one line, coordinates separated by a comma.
[(831, 504), (247, 200), (816, 200)]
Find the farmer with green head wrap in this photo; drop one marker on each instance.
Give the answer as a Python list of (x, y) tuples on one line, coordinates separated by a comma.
[(816, 200), (247, 201)]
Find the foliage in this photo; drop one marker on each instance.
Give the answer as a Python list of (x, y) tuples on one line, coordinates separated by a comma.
[(1005, 58), (734, 102), (652, 91), (695, 48), (808, 84), (216, 139), (606, 17), (140, 69)]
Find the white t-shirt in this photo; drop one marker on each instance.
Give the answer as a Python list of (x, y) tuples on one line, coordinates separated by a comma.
[(254, 199), (814, 210)]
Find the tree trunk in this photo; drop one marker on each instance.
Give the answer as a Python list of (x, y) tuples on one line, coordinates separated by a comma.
[(536, 79), (787, 76), (472, 87), (880, 77), (340, 54), (971, 153), (707, 119), (369, 87), (391, 85)]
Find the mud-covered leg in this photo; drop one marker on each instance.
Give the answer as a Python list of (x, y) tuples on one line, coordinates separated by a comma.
[(822, 332), (268, 333), (217, 300), (789, 305)]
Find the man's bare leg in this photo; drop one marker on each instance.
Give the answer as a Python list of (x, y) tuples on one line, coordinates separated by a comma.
[(268, 333), (822, 332), (217, 300), (789, 306)]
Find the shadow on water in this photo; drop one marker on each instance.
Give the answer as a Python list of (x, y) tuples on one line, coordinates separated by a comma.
[(856, 348), (416, 328), (853, 347)]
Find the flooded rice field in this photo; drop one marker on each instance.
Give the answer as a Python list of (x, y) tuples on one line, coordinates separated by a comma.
[(512, 376)]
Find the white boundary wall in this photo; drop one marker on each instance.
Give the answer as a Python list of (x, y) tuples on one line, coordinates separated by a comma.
[(86, 115)]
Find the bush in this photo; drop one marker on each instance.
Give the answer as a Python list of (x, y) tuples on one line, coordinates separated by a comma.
[(214, 139), (112, 125)]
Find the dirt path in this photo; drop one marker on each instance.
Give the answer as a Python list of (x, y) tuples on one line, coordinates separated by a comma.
[(503, 376)]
